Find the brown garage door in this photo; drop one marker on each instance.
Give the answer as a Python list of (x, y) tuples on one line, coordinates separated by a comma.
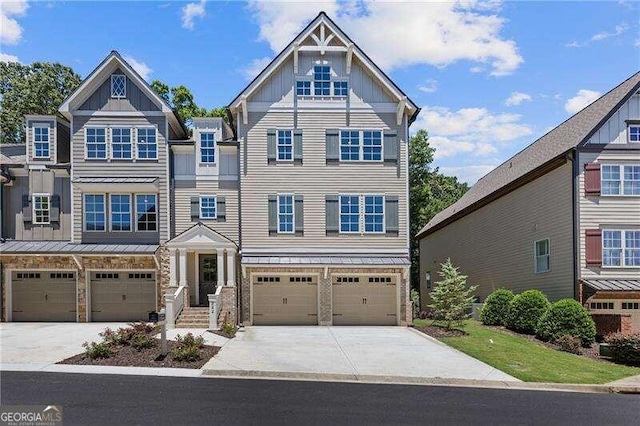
[(122, 295), (364, 300), (43, 296), (285, 300)]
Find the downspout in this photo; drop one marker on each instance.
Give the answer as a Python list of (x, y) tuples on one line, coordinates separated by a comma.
[(573, 157), (240, 319), (5, 178)]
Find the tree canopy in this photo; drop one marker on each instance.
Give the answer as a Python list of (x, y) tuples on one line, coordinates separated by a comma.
[(38, 88), (429, 193)]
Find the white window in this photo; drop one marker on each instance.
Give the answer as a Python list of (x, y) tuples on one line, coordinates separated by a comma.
[(634, 134), (285, 214), (118, 86), (146, 212), (121, 147), (362, 213), (120, 212), (373, 214), (147, 143), (41, 209), (340, 88), (542, 256), (619, 179), (322, 80), (349, 213), (207, 148), (360, 145), (207, 207), (41, 141), (94, 212), (285, 145), (96, 143), (621, 248), (303, 88)]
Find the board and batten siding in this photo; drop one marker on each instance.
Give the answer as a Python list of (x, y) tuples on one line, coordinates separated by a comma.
[(135, 99), (614, 130), (121, 168), (601, 212), (315, 179), (494, 245), (53, 144)]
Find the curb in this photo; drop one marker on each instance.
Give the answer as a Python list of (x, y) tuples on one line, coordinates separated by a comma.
[(404, 380)]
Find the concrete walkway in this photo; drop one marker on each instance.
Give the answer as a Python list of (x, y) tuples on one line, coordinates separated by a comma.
[(627, 381), (343, 353)]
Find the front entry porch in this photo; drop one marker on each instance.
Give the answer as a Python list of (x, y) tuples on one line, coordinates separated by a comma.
[(202, 264)]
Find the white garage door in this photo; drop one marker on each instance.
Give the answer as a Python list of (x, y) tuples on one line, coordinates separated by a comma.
[(285, 300), (43, 296), (364, 300), (122, 295)]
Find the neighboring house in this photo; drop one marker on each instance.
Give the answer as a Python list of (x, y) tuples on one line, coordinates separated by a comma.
[(561, 216), (295, 213)]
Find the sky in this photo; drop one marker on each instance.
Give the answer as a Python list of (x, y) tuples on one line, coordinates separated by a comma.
[(490, 76)]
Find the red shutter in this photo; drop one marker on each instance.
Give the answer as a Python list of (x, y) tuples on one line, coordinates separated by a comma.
[(594, 247), (592, 179)]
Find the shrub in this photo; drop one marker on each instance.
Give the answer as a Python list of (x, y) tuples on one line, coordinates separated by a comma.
[(427, 314), (186, 353), (567, 316), (228, 329), (496, 307), (525, 311), (143, 341), (95, 350), (120, 337), (569, 343), (625, 347), (415, 298), (189, 340), (142, 327), (451, 298)]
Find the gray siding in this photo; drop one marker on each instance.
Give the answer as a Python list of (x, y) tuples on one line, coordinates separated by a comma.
[(126, 168), (63, 145), (39, 181), (52, 141), (606, 211), (494, 245), (615, 129), (135, 99)]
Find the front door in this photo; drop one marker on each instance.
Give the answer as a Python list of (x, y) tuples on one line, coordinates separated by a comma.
[(208, 277)]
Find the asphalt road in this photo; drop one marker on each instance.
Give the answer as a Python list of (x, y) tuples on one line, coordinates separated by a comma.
[(123, 400)]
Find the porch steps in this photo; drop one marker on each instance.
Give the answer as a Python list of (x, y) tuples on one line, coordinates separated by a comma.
[(193, 317)]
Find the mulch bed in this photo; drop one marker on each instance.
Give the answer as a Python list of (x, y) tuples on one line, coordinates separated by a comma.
[(222, 333), (439, 332), (126, 356)]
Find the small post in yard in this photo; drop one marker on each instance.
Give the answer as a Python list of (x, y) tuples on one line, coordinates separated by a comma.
[(163, 332)]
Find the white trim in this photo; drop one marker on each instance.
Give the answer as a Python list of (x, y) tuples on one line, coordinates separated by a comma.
[(384, 214), (73, 215), (84, 212), (199, 161), (621, 167), (110, 144), (35, 126), (157, 212), (112, 78), (106, 143), (293, 213), (89, 113), (362, 214), (282, 160), (131, 215), (629, 133), (137, 147), (197, 277), (33, 207), (340, 231), (361, 145), (535, 255), (623, 259), (215, 203)]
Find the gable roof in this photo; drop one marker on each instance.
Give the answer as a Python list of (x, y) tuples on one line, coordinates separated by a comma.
[(109, 64), (556, 143), (200, 235), (323, 18)]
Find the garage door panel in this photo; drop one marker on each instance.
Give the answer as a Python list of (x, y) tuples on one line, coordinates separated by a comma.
[(364, 300), (285, 303), (122, 296), (43, 296)]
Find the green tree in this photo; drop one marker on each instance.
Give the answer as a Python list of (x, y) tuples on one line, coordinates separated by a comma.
[(451, 298), (183, 103), (429, 193), (38, 88)]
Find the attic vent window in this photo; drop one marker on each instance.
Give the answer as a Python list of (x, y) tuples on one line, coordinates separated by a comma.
[(118, 86)]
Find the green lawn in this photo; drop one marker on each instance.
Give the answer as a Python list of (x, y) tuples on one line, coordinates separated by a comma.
[(530, 361)]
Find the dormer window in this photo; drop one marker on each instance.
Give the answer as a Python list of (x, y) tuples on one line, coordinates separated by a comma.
[(322, 80), (118, 86), (41, 141), (634, 134), (207, 148)]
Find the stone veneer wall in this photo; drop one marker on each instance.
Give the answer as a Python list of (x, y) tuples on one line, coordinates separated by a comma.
[(325, 314), (110, 263)]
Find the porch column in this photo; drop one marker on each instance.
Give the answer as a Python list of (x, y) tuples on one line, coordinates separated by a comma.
[(173, 268), (183, 267), (220, 268), (231, 267)]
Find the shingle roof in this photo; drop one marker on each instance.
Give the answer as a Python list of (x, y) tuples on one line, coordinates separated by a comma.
[(613, 285), (66, 247), (113, 179), (558, 141), (324, 260), (13, 154)]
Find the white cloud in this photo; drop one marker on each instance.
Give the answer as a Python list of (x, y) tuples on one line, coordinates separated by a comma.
[(254, 68), (581, 100), (637, 42), (435, 33), (141, 68), (192, 11), (516, 98), (10, 29), (619, 30), (4, 57), (469, 174), (476, 131), (430, 85)]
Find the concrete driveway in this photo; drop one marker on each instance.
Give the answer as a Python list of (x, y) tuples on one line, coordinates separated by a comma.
[(333, 352)]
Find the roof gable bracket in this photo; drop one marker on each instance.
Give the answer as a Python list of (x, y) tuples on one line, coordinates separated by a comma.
[(245, 112), (400, 112), (349, 57)]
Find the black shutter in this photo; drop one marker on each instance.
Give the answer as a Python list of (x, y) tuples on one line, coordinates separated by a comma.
[(195, 208), (26, 208), (221, 208)]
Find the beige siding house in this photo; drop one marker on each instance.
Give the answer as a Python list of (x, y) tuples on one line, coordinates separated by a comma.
[(561, 216)]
